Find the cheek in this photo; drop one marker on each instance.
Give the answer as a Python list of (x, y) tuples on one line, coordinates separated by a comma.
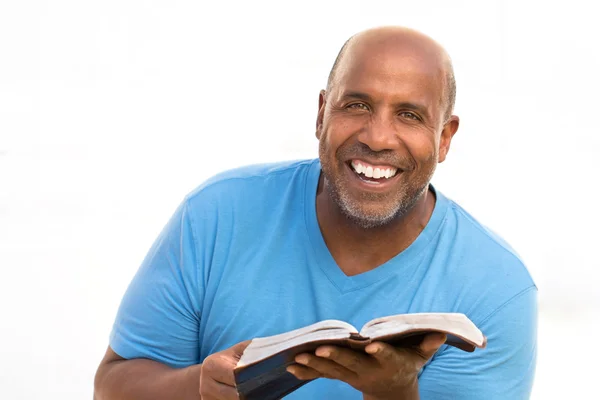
[(328, 144), (337, 129), (423, 147)]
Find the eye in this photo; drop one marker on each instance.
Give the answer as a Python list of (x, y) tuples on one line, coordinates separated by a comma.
[(357, 106), (410, 115)]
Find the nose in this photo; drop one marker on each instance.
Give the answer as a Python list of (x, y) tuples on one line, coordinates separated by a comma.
[(380, 134)]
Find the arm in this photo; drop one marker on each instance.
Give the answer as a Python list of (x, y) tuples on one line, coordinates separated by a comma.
[(144, 379), (154, 350), (503, 370)]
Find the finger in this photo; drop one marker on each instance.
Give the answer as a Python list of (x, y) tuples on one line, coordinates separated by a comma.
[(327, 368), (303, 373), (383, 352), (211, 389), (431, 344), (349, 359)]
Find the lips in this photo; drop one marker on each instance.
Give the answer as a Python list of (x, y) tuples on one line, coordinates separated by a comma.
[(372, 171), (364, 183)]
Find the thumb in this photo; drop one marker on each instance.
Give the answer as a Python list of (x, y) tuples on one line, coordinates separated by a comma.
[(238, 349)]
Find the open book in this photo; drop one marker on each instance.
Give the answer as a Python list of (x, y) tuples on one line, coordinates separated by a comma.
[(261, 371)]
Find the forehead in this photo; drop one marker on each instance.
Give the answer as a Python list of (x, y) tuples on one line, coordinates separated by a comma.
[(392, 70)]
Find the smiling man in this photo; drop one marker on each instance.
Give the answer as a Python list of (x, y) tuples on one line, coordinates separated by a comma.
[(356, 234)]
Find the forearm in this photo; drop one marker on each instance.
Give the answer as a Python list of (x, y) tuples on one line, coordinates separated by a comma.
[(143, 379)]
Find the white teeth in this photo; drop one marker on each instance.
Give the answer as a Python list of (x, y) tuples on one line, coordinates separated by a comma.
[(371, 172)]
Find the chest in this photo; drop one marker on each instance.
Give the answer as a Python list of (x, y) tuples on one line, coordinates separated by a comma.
[(263, 293)]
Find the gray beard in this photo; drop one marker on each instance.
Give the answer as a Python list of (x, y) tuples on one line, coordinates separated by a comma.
[(356, 215)]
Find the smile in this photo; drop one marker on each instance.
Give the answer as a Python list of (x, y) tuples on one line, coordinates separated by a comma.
[(373, 171), (371, 176)]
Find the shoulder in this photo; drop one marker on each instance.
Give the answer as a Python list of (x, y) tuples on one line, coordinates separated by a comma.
[(484, 267), (234, 180), (481, 246), (251, 191), (482, 234)]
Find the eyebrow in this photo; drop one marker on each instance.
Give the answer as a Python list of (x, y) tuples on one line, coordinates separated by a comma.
[(357, 95), (404, 104)]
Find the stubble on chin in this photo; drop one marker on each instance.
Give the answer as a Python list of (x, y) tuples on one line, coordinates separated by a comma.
[(373, 218), (357, 213), (354, 209)]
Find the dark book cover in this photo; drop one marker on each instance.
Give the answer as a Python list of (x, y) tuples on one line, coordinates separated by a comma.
[(268, 379)]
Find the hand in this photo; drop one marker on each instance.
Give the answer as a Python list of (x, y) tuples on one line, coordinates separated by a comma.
[(384, 372), (216, 375)]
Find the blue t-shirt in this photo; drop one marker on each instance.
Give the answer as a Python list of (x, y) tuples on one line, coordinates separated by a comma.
[(243, 257)]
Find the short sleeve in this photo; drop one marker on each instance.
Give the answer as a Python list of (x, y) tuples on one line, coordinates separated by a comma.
[(159, 316), (503, 370)]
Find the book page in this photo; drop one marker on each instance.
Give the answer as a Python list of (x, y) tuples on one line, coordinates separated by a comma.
[(453, 323), (264, 347)]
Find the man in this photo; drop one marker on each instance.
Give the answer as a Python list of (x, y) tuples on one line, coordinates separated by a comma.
[(357, 234)]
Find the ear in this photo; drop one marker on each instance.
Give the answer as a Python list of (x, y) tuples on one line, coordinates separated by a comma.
[(321, 112), (448, 131)]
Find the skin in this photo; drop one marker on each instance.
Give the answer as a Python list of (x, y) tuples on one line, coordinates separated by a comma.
[(382, 372), (366, 115), (385, 106)]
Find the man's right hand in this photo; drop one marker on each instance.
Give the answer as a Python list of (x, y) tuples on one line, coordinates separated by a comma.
[(216, 375)]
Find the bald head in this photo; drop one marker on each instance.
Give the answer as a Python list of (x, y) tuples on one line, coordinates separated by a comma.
[(379, 41)]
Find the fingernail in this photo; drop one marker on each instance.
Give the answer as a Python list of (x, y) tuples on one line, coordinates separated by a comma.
[(302, 360), (323, 353), (372, 349)]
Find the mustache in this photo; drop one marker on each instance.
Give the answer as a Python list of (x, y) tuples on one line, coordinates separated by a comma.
[(389, 157)]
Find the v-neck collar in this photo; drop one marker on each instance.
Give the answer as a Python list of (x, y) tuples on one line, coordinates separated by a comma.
[(408, 258)]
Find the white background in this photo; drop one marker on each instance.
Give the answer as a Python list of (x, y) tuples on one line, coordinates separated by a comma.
[(111, 111)]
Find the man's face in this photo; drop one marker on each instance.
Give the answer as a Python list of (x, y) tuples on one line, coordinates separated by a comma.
[(380, 130)]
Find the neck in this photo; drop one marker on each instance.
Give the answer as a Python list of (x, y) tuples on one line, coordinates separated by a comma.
[(356, 249)]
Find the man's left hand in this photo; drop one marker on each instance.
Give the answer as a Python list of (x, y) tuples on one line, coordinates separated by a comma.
[(381, 372)]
